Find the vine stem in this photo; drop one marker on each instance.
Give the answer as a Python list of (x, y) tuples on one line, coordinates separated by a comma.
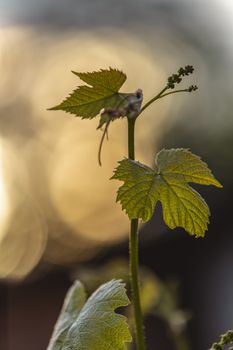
[(133, 252), (133, 241)]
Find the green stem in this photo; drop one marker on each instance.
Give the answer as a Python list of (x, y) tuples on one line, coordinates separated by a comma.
[(153, 100), (131, 148), (161, 95), (174, 92), (133, 244), (133, 251)]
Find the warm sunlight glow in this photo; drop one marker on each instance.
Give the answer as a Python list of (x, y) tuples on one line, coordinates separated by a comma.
[(4, 202), (56, 187)]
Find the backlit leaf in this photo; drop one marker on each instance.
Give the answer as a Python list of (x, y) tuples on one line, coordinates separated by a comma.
[(92, 325), (101, 92), (168, 183), (74, 301)]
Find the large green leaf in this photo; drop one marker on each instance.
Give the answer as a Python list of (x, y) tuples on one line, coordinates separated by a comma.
[(92, 325), (168, 183), (102, 92)]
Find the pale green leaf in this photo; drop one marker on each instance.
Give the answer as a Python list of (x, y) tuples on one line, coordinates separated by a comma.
[(95, 326), (168, 183), (101, 92), (74, 301)]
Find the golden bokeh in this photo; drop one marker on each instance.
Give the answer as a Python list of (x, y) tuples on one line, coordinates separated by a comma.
[(61, 203), (4, 200)]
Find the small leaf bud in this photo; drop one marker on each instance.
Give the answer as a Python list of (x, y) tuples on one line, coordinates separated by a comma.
[(192, 88), (189, 70)]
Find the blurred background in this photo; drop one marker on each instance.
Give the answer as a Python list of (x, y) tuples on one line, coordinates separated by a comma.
[(58, 217)]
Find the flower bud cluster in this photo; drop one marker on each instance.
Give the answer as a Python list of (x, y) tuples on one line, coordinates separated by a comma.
[(216, 346), (192, 88), (177, 78), (225, 339)]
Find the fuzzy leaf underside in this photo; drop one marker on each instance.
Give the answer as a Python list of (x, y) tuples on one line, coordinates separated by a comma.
[(101, 92), (74, 301), (94, 324), (182, 206)]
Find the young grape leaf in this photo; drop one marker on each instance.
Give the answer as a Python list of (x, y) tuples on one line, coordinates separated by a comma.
[(73, 303), (182, 206), (92, 325), (101, 92)]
